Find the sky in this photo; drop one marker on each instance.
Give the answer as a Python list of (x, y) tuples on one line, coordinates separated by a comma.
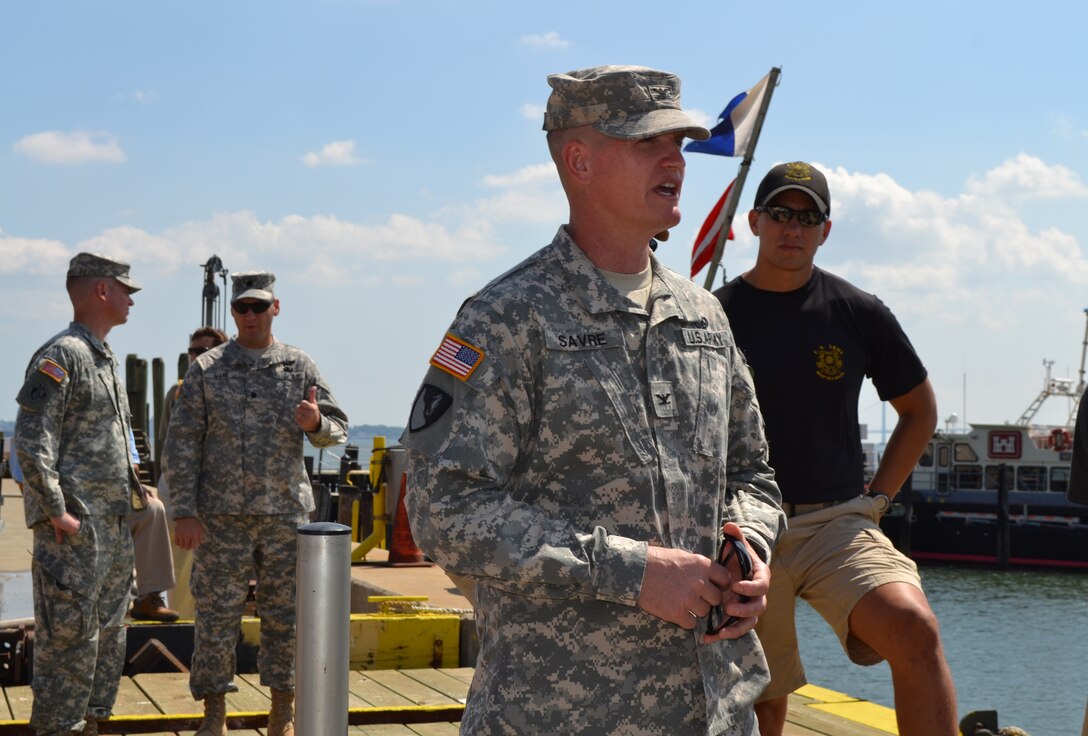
[(385, 159)]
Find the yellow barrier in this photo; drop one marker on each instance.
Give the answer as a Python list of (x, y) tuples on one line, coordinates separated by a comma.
[(377, 537)]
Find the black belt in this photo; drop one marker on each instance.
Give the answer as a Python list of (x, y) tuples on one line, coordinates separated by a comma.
[(796, 509)]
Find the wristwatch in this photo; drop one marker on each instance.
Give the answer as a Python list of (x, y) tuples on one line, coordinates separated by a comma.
[(883, 500)]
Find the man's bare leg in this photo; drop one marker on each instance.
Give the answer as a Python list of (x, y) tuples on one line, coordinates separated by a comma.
[(771, 715), (897, 622)]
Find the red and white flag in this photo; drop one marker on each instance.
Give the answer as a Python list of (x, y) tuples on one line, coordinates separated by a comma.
[(703, 250)]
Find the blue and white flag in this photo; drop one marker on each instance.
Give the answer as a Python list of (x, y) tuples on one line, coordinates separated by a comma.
[(733, 134)]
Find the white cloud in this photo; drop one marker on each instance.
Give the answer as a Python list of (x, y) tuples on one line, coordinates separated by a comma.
[(466, 277), (32, 256), (140, 96), (704, 119), (532, 174), (549, 40), (323, 248), (132, 245), (532, 112), (1028, 177), (76, 147), (959, 257), (337, 153)]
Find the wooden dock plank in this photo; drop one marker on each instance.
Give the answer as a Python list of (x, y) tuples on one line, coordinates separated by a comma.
[(169, 691), (812, 711), (464, 674), (414, 690), (818, 711), (252, 696), (436, 729), (373, 692), (385, 729), (133, 701), (20, 700), (438, 680)]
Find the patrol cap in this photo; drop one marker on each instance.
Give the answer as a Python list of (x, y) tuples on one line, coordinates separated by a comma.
[(795, 175), (96, 266), (627, 102), (252, 285)]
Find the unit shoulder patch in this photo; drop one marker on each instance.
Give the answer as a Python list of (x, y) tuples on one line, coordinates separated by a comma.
[(430, 404), (39, 386)]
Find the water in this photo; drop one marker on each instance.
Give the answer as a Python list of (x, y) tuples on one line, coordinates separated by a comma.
[(16, 596), (1016, 641)]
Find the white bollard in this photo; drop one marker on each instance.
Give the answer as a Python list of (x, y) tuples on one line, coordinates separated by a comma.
[(323, 615)]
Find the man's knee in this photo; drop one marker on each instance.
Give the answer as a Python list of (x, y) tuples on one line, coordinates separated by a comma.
[(896, 620)]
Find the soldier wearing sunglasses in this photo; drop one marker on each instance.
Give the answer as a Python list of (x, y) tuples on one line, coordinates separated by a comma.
[(201, 341), (811, 338), (234, 464)]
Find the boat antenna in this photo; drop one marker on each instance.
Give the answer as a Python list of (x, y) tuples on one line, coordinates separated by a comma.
[(1080, 375), (210, 316)]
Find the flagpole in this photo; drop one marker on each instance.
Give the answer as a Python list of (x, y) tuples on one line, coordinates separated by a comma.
[(742, 174)]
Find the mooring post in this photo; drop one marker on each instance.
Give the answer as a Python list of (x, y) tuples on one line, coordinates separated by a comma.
[(323, 614), (1004, 482)]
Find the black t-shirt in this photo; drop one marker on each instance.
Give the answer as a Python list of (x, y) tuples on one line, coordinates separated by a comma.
[(809, 351)]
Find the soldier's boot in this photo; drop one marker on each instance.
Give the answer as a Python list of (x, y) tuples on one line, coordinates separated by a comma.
[(215, 716), (281, 719)]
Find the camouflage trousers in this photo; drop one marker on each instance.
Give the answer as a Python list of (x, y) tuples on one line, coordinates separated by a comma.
[(81, 595), (236, 547)]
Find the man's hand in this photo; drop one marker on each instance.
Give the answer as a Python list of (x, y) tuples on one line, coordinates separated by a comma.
[(755, 589), (188, 532), (680, 586), (65, 524), (307, 414)]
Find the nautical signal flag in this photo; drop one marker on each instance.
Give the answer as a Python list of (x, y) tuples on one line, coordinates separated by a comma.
[(733, 133), (707, 238)]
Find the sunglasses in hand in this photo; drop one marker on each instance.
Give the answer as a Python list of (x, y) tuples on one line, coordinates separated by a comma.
[(731, 548)]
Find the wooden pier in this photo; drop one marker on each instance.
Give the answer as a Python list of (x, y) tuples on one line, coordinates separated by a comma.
[(414, 699), (423, 702)]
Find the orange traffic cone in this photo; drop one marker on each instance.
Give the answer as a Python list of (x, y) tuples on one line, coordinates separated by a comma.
[(403, 549)]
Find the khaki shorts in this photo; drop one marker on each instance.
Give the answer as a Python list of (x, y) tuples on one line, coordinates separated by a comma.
[(831, 558)]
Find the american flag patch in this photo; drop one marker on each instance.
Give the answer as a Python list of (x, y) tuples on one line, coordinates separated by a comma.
[(457, 357), (53, 370)]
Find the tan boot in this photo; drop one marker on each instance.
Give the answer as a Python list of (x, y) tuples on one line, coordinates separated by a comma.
[(152, 607), (215, 716), (281, 719)]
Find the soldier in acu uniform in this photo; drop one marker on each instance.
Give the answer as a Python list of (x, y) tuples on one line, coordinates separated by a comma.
[(234, 464), (71, 436), (586, 429)]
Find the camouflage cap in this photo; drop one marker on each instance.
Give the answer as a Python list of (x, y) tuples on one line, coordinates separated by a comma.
[(620, 101), (252, 285), (96, 266), (795, 175)]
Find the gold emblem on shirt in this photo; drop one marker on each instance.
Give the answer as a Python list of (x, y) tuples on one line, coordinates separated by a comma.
[(829, 362)]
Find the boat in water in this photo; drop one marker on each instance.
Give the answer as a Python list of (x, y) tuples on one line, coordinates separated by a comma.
[(995, 494)]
